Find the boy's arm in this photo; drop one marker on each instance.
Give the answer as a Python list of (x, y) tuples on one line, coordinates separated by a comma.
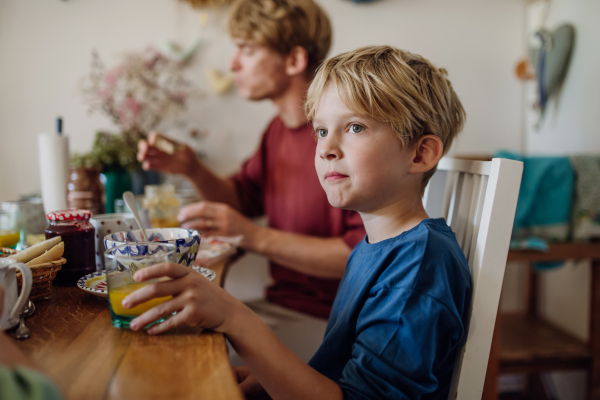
[(280, 372), (199, 302)]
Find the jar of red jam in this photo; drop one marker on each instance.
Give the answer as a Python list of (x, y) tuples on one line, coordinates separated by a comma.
[(73, 226)]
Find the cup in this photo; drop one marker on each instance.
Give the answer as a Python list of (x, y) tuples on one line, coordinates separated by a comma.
[(121, 263), (105, 224), (13, 304), (10, 227), (32, 214)]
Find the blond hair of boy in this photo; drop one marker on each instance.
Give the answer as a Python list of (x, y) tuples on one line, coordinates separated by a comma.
[(282, 25), (394, 86)]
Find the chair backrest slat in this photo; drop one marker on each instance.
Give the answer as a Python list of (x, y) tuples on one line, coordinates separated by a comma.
[(478, 199)]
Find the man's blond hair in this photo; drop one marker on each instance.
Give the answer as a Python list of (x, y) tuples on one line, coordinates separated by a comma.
[(394, 86), (282, 25)]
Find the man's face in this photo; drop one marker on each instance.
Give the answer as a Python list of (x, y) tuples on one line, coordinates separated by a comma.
[(259, 71)]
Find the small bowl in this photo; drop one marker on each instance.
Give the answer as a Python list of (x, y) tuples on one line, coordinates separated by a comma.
[(186, 240)]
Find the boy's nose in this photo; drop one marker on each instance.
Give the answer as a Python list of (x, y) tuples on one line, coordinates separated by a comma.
[(329, 151)]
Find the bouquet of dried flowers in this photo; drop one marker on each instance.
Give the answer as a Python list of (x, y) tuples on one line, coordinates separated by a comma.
[(138, 94), (144, 90)]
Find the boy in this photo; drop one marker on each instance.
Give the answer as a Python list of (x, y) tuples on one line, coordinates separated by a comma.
[(382, 118)]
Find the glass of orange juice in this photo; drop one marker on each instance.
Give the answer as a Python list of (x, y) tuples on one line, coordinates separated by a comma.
[(10, 228), (121, 263)]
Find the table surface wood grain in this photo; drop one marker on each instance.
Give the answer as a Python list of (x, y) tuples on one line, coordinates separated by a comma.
[(74, 342)]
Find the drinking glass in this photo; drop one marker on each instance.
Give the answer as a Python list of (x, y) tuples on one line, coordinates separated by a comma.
[(121, 263), (10, 227)]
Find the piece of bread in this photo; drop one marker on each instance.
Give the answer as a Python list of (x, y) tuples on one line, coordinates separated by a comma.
[(54, 254), (37, 250)]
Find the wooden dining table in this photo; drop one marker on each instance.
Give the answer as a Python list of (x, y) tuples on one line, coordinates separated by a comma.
[(74, 342)]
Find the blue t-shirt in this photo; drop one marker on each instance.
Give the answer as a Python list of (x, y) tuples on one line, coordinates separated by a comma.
[(398, 317)]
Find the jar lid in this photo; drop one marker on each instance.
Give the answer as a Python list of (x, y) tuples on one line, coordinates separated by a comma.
[(70, 214)]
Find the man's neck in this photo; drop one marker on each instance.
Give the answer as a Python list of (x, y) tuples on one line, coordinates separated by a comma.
[(290, 104)]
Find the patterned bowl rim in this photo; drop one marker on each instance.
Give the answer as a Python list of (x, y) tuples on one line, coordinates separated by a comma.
[(208, 273)]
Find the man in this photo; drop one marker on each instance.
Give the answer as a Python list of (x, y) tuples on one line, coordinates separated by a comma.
[(280, 44)]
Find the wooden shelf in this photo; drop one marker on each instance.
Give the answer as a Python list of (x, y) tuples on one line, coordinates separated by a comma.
[(559, 252), (534, 345)]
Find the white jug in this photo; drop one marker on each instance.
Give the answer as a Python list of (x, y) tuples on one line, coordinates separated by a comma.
[(13, 305)]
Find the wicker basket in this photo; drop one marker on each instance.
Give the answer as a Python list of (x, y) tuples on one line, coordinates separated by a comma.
[(42, 274)]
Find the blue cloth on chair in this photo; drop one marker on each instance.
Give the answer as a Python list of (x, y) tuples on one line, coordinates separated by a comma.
[(544, 206)]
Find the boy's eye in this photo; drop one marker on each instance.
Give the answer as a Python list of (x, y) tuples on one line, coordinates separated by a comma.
[(321, 133), (355, 128)]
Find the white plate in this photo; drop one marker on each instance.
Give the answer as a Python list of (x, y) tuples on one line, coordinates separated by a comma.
[(95, 283)]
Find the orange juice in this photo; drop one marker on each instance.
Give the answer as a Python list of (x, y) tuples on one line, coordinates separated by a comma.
[(9, 238), (117, 295), (164, 222)]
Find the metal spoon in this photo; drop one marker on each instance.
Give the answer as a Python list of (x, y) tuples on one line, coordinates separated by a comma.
[(130, 201), (22, 331)]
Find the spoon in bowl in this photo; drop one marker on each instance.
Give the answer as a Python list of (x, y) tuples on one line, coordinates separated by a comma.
[(130, 201)]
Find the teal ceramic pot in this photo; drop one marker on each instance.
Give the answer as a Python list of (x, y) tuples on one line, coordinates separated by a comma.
[(118, 181)]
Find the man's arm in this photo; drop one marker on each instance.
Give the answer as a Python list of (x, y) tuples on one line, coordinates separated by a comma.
[(311, 255), (316, 256)]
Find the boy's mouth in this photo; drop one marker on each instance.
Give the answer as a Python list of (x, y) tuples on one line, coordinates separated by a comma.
[(332, 176)]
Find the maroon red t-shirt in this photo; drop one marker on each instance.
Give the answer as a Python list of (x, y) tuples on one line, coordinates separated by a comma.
[(280, 181)]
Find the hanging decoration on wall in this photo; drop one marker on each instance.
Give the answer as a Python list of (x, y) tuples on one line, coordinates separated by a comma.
[(220, 82), (550, 58), (181, 55)]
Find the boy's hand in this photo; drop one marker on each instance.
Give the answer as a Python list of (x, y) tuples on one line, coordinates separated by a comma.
[(166, 155), (218, 219), (197, 301), (249, 385)]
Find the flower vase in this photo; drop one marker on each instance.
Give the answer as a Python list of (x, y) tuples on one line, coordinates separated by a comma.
[(118, 181)]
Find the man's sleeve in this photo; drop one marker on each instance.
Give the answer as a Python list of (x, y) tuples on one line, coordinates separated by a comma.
[(250, 182), (354, 230), (404, 338)]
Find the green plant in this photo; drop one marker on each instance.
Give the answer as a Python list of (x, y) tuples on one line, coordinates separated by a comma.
[(108, 151)]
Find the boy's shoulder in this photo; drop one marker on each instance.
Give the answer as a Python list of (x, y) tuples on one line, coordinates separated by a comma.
[(426, 258)]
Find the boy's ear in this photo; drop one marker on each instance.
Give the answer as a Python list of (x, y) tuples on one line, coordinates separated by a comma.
[(296, 61), (426, 154)]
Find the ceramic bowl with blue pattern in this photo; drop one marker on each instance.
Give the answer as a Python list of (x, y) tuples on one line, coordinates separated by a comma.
[(186, 240)]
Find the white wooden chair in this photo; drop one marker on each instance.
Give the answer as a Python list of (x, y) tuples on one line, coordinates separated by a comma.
[(478, 199)]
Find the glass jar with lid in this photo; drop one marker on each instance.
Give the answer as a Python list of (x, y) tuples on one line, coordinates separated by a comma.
[(74, 227), (162, 205)]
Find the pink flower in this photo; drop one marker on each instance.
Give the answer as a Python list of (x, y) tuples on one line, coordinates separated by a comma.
[(104, 94), (128, 112), (113, 75), (180, 95)]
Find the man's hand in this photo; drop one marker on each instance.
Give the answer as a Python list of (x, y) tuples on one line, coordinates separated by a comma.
[(218, 219), (250, 387), (166, 155)]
